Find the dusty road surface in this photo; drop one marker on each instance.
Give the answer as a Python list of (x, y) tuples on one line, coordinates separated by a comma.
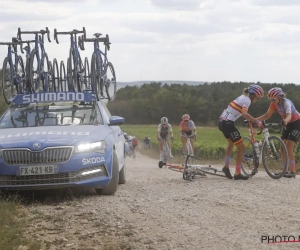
[(157, 209)]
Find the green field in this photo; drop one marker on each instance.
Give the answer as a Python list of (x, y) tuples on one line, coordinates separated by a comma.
[(210, 143)]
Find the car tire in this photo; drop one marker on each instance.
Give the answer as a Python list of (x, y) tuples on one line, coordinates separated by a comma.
[(122, 175), (112, 186)]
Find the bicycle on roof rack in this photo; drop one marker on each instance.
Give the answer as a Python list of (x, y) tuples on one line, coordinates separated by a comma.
[(43, 74), (271, 149), (77, 72), (12, 70), (102, 71)]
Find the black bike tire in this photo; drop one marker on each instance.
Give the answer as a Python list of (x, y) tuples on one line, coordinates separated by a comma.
[(34, 83), (87, 76), (275, 176), (11, 80), (72, 71), (113, 84), (247, 141), (55, 75), (21, 74), (95, 76), (63, 80), (46, 67)]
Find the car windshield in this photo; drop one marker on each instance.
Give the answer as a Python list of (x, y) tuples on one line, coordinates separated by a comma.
[(51, 114)]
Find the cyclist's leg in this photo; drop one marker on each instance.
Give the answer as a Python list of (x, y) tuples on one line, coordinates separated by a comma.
[(161, 142)]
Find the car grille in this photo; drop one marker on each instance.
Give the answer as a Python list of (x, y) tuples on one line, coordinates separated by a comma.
[(26, 156), (61, 178)]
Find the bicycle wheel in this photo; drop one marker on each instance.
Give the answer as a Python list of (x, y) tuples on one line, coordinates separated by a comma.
[(86, 84), (250, 161), (63, 80), (8, 87), (46, 76), (95, 76), (19, 75), (275, 157), (189, 149), (72, 71), (110, 81), (54, 79), (166, 152), (27, 87), (34, 71)]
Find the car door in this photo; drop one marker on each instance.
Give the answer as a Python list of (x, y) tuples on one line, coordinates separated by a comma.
[(119, 141)]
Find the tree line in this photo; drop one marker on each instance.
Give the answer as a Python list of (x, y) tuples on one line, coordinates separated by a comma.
[(147, 103)]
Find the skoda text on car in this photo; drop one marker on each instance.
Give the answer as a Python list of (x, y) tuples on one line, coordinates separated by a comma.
[(63, 139)]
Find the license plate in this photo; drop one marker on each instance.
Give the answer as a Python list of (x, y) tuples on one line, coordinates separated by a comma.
[(37, 170)]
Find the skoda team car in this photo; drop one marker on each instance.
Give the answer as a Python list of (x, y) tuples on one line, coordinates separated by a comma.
[(63, 139)]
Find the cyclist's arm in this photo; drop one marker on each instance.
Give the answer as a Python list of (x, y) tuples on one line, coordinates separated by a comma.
[(267, 115), (248, 117)]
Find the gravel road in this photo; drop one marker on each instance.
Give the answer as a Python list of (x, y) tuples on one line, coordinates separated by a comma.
[(157, 209)]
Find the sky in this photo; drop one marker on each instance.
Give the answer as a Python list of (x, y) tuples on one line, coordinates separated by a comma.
[(185, 40)]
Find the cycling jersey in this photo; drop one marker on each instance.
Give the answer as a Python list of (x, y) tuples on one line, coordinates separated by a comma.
[(187, 126), (235, 108), (164, 130), (283, 108)]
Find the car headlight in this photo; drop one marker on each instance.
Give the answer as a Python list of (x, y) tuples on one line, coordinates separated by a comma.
[(99, 146)]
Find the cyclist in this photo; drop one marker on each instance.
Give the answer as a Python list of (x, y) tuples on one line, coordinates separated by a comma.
[(237, 108), (134, 143), (186, 128), (291, 121), (164, 128), (147, 142)]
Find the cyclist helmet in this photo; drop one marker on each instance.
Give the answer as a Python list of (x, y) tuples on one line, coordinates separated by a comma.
[(275, 93), (164, 120), (185, 117), (256, 90)]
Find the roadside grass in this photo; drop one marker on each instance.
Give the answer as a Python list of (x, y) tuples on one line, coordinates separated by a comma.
[(12, 226)]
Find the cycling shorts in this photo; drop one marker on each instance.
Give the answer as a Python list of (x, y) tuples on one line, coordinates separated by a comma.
[(291, 131), (229, 131), (188, 133)]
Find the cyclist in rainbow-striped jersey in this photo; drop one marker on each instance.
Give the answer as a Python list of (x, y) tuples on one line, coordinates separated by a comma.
[(237, 108)]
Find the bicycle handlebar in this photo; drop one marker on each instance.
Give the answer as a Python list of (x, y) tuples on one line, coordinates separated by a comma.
[(42, 32), (97, 38), (73, 32)]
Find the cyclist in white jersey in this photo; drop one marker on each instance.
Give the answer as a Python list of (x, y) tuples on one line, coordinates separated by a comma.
[(237, 108), (164, 132)]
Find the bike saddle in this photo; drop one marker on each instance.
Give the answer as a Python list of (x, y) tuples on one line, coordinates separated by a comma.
[(15, 40), (97, 34)]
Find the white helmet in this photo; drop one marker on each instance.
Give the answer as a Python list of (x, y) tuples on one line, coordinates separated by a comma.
[(164, 120)]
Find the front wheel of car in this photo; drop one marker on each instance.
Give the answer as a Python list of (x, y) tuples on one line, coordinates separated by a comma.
[(112, 186), (122, 175)]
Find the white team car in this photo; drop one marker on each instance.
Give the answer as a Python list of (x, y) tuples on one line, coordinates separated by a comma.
[(63, 139)]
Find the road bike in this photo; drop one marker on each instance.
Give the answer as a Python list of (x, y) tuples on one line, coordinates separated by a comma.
[(102, 71), (43, 74), (77, 72), (166, 154), (192, 169), (271, 150), (13, 71), (188, 148)]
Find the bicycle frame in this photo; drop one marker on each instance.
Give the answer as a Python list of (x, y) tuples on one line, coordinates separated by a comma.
[(41, 55), (265, 131), (78, 63)]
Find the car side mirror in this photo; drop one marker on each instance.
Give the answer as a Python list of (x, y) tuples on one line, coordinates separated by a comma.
[(116, 120)]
